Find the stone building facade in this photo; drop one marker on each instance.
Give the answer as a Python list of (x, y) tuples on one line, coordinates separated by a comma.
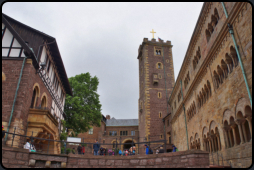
[(33, 57), (210, 106), (113, 133), (156, 81)]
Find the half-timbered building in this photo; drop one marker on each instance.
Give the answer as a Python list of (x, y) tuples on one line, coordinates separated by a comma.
[(35, 85)]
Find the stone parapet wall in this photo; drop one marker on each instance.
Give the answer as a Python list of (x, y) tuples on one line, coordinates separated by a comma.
[(21, 158), (239, 156)]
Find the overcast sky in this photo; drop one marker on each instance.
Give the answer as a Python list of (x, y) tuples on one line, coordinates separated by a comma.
[(103, 39)]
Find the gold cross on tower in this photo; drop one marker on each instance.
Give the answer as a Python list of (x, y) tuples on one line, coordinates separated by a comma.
[(152, 32)]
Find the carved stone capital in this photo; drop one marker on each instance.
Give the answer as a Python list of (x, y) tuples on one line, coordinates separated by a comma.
[(233, 125), (225, 128), (249, 118)]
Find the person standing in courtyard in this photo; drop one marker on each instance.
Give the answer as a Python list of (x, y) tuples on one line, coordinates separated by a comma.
[(174, 148), (79, 149), (161, 149), (83, 150), (96, 147), (147, 149)]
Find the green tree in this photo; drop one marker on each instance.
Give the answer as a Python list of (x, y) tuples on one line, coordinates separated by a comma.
[(83, 109)]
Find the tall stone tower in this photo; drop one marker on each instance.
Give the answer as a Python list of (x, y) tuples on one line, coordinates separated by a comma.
[(156, 81)]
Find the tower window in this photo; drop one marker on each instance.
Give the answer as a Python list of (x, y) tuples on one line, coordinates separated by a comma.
[(159, 94), (159, 114), (159, 66)]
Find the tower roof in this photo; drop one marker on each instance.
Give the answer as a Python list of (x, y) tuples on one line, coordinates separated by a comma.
[(122, 122)]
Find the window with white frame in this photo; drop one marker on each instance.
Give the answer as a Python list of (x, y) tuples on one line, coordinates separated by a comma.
[(90, 132)]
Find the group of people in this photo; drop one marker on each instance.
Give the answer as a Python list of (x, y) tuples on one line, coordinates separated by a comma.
[(29, 145), (161, 150), (126, 152), (81, 149), (97, 150)]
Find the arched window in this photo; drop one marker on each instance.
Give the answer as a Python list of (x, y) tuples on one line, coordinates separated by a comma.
[(224, 68), (234, 55), (207, 92), (214, 21), (159, 66), (246, 125), (209, 88), (201, 99), (220, 74), (34, 97), (43, 102), (216, 14), (198, 54), (204, 95), (194, 64), (216, 79), (208, 35), (210, 28), (229, 62), (159, 94)]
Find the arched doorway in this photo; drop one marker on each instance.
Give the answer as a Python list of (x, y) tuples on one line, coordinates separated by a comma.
[(127, 143)]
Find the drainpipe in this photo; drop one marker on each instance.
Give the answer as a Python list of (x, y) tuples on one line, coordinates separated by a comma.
[(238, 54), (16, 93), (164, 135), (184, 116)]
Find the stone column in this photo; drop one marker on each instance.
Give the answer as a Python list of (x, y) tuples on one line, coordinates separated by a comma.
[(240, 130), (244, 131), (250, 126), (218, 139), (230, 138), (226, 137), (215, 144), (233, 127), (210, 146)]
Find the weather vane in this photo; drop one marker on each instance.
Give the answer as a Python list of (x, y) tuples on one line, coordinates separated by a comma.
[(152, 32)]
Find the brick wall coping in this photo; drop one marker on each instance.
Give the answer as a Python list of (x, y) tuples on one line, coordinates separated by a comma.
[(7, 148), (63, 158), (160, 155)]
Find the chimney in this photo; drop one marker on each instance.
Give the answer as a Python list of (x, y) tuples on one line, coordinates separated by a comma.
[(107, 116)]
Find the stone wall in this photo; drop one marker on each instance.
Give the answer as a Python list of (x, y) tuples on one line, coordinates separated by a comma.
[(239, 156), (21, 158), (11, 69)]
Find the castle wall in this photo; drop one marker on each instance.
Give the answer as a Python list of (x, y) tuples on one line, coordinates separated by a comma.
[(218, 114)]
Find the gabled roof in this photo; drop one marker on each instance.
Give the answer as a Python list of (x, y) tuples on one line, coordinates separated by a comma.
[(122, 122), (28, 52), (53, 49)]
